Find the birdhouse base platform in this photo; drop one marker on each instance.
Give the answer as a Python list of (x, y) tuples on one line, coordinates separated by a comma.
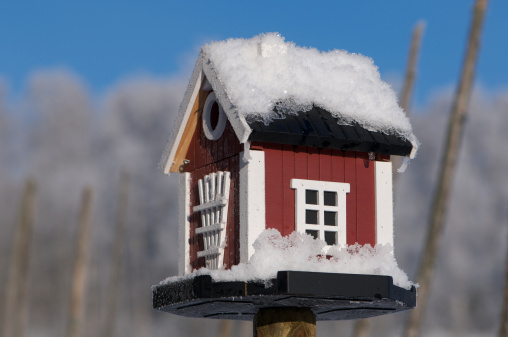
[(330, 296)]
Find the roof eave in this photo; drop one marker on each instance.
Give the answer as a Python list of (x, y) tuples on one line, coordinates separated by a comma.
[(237, 120), (175, 136)]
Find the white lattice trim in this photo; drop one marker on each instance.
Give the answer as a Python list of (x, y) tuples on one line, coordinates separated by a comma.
[(209, 252), (214, 198), (211, 228), (215, 203)]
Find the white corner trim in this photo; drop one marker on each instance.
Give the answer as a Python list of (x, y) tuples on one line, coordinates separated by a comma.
[(252, 201), (210, 132), (384, 203), (184, 225)]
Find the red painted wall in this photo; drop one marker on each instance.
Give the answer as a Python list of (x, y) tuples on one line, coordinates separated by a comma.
[(205, 157), (284, 162)]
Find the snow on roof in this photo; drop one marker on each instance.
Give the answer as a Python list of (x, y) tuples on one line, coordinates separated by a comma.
[(266, 72), (301, 252), (254, 77)]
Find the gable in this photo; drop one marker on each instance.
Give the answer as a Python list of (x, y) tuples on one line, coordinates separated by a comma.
[(204, 79)]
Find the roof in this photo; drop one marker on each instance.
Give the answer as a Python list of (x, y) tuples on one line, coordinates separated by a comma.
[(318, 128), (263, 77)]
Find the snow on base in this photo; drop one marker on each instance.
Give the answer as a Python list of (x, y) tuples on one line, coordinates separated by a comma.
[(301, 252), (265, 72)]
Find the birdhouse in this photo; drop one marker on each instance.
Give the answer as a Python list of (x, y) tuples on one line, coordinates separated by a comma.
[(270, 135), (274, 138)]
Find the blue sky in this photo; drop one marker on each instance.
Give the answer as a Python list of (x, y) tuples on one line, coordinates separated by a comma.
[(107, 41)]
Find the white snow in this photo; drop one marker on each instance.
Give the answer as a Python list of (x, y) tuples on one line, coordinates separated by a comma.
[(263, 72), (301, 252)]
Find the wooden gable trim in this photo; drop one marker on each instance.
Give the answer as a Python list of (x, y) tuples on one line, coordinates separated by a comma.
[(190, 129)]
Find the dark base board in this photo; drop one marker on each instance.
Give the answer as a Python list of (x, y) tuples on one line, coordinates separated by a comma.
[(330, 296)]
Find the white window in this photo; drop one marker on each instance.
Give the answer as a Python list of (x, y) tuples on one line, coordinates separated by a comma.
[(320, 209), (214, 199)]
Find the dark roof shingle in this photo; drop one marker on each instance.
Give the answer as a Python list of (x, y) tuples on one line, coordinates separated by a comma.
[(318, 128)]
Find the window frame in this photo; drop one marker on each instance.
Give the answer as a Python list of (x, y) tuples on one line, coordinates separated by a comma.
[(341, 189)]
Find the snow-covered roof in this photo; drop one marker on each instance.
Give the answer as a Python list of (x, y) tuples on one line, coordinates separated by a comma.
[(267, 77)]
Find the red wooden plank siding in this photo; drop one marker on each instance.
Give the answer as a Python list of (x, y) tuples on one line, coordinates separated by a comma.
[(288, 172), (325, 165), (366, 215), (196, 242), (212, 145), (338, 166), (350, 178), (313, 163), (231, 252), (220, 145), (301, 164), (273, 182), (199, 152), (190, 156), (229, 141)]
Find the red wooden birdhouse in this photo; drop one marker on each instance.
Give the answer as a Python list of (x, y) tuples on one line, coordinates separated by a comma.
[(270, 135)]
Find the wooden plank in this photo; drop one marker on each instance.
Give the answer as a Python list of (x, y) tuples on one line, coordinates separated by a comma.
[(338, 166), (274, 191), (313, 163), (212, 144), (231, 253), (301, 162), (196, 241), (350, 178), (232, 145), (325, 165), (189, 131), (365, 200), (220, 145), (191, 166), (199, 154), (288, 172)]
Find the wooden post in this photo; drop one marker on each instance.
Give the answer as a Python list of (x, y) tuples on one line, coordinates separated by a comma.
[(414, 51), (116, 262), (80, 266), (245, 328), (15, 306), (442, 194), (285, 322), (225, 328)]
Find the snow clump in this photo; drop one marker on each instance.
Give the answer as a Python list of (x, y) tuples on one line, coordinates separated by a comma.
[(301, 252), (265, 74)]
